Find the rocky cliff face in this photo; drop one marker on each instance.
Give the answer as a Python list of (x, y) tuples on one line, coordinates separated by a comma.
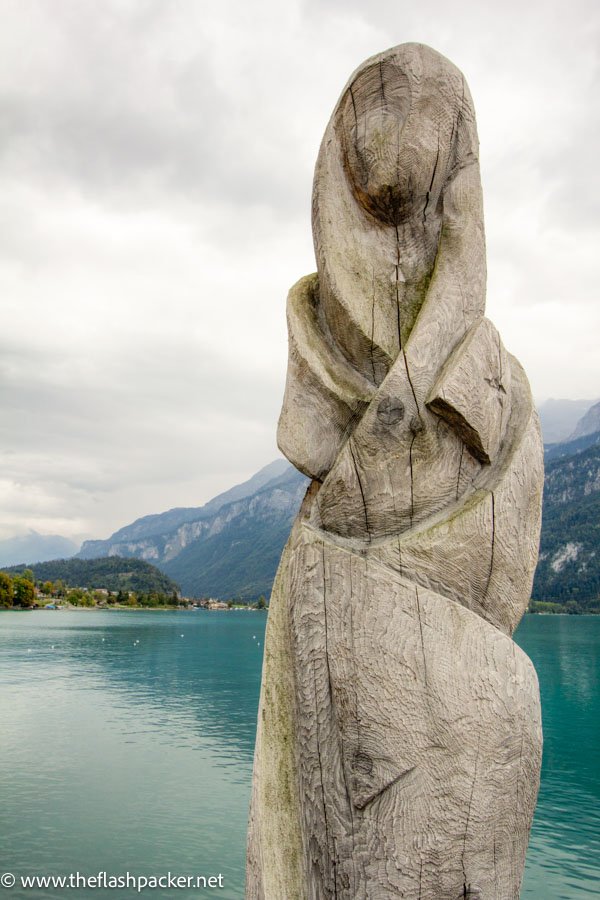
[(569, 561), (149, 533), (588, 424), (229, 547), (560, 417)]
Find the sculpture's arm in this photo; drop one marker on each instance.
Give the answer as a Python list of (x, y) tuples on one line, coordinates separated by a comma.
[(324, 394)]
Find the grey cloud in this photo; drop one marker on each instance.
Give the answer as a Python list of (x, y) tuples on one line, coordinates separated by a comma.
[(142, 180), (148, 412), (116, 112), (543, 53), (574, 200)]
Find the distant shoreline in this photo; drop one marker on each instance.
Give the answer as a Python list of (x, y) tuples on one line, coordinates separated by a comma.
[(90, 609)]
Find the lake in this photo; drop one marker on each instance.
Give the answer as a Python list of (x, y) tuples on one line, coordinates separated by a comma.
[(126, 743)]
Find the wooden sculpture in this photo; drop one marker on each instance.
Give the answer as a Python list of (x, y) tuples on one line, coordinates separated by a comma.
[(399, 736)]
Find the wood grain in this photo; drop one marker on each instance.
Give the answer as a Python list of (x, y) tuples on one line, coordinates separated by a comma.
[(399, 737)]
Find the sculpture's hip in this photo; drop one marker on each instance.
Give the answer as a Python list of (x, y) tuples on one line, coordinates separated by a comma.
[(399, 738)]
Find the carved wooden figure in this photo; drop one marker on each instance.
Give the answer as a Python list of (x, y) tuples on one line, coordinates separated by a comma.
[(399, 736)]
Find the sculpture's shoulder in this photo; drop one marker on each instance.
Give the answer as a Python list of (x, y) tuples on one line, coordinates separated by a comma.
[(323, 391), (475, 394)]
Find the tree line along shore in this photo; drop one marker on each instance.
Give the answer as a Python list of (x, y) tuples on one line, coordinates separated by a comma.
[(22, 591)]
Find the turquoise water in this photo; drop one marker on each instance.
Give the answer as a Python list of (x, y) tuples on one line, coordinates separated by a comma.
[(121, 757), (563, 861)]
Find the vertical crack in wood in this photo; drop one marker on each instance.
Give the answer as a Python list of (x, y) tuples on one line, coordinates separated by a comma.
[(357, 719), (398, 290), (489, 579), (351, 92), (412, 485), (501, 375), (383, 100), (462, 450), (466, 887), (412, 389), (494, 862), (355, 666), (326, 648), (373, 328), (518, 792), (453, 135), (435, 165), (325, 624), (328, 836), (360, 486), (395, 517), (399, 128), (458, 282), (421, 633)]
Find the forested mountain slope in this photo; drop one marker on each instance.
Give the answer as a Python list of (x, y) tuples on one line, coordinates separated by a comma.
[(569, 562)]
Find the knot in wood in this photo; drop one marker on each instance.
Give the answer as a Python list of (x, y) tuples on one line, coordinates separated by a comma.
[(390, 411), (416, 425), (362, 763)]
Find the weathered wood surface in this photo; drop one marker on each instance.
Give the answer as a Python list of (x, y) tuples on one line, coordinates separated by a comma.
[(399, 737)]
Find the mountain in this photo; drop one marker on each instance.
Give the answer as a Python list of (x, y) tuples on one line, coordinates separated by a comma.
[(560, 417), (167, 523), (589, 424), (34, 547), (115, 574), (569, 448), (569, 561), (230, 547)]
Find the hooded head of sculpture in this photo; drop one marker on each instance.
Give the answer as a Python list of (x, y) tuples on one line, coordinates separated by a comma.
[(385, 122), (398, 163)]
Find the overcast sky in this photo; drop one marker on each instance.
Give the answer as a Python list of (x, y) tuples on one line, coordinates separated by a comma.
[(156, 164)]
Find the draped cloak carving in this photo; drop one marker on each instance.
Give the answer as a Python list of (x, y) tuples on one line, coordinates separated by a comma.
[(399, 735)]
